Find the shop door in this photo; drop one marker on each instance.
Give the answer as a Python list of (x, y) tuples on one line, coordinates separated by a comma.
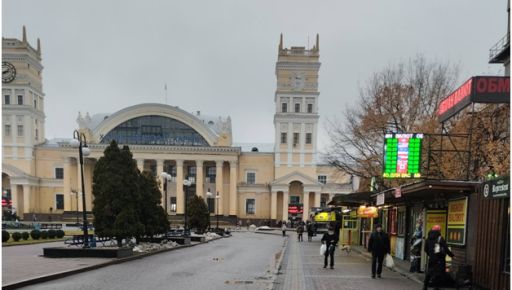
[(349, 229)]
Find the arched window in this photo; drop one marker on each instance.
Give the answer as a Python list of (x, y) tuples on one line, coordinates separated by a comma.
[(155, 130)]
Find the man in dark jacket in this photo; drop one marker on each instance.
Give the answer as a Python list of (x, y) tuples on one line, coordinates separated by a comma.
[(379, 247), (330, 240), (436, 249)]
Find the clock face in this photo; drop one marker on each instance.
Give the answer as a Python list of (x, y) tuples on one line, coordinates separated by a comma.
[(298, 81), (8, 72)]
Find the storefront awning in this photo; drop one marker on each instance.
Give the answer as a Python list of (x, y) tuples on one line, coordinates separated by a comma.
[(429, 190)]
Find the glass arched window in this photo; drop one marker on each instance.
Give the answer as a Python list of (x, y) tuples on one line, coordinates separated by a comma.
[(154, 130)]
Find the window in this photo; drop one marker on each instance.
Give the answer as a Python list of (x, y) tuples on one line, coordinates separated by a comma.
[(20, 130), (294, 199), (251, 177), (322, 179), (7, 130), (59, 201), (173, 203), (310, 108), (297, 108), (7, 99), (250, 206), (210, 173), (20, 100), (284, 107), (35, 104), (308, 138), (59, 173), (283, 138), (37, 134), (295, 138), (392, 221), (191, 171)]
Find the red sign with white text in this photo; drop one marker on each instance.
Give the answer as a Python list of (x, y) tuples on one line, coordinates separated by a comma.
[(480, 89)]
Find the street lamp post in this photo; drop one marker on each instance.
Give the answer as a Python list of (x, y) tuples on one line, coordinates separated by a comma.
[(217, 197), (186, 184), (209, 195), (80, 141), (77, 215)]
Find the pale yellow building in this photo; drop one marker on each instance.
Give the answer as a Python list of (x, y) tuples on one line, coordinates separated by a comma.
[(253, 181)]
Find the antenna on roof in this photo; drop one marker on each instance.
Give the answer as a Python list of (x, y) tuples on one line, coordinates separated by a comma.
[(165, 88)]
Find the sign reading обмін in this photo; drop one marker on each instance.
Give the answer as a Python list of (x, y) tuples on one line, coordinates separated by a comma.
[(480, 89)]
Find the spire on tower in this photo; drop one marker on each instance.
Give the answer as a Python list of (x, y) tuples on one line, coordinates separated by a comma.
[(24, 34), (317, 42), (38, 47), (281, 42)]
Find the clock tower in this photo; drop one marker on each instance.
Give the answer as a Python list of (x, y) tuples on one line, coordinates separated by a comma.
[(296, 117), (22, 102)]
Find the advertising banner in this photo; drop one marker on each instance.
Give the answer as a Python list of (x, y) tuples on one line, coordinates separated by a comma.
[(457, 214), (497, 188), (436, 217), (367, 212)]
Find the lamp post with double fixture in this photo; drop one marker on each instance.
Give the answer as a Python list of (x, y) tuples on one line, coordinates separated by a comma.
[(80, 141), (186, 184), (167, 177)]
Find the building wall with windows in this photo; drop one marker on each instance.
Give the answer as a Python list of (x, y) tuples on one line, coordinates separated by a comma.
[(42, 177)]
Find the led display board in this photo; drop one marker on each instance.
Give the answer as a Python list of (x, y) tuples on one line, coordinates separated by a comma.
[(402, 155)]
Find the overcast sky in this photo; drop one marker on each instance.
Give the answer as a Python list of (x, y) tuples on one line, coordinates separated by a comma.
[(219, 56)]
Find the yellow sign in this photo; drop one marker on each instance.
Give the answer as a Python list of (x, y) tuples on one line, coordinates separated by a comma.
[(436, 217), (367, 212), (457, 211)]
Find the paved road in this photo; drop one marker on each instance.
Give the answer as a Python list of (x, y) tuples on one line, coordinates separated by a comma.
[(244, 261), (303, 269)]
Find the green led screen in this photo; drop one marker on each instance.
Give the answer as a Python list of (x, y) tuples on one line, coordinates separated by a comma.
[(402, 155)]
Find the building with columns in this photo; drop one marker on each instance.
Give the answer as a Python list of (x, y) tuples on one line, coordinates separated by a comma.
[(42, 177)]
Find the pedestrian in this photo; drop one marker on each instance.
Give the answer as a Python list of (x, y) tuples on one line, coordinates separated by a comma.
[(330, 240), (310, 232), (283, 228), (436, 250), (379, 247), (248, 224), (300, 230)]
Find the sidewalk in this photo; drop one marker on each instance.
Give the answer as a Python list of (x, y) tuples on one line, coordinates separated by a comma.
[(302, 268), (26, 265)]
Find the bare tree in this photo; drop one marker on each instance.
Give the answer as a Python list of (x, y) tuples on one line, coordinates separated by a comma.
[(400, 98)]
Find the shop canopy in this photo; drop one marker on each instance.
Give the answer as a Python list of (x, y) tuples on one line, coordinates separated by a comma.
[(352, 199), (428, 190)]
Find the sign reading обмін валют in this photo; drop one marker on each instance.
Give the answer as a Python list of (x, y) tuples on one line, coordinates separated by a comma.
[(497, 188), (479, 89)]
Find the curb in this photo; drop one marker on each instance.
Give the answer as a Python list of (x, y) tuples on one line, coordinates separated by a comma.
[(279, 264), (59, 275), (394, 269)]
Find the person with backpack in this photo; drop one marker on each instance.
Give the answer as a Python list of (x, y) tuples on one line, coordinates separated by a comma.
[(300, 231), (436, 250)]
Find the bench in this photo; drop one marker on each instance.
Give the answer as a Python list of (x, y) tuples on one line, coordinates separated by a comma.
[(77, 240), (51, 226)]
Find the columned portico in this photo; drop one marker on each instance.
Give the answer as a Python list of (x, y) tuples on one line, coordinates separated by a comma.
[(199, 178), (27, 195), (233, 200), (317, 199), (286, 196), (67, 184), (219, 186), (180, 197), (305, 207), (273, 205)]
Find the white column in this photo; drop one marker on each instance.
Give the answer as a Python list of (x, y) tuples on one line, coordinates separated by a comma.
[(140, 164), (219, 187), (67, 184), (26, 199), (15, 200), (180, 197), (199, 179), (285, 205), (159, 170), (233, 200), (273, 205), (305, 206), (317, 199)]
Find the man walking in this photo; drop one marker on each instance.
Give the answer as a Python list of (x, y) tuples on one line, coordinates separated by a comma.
[(300, 231), (283, 228), (330, 240), (436, 249), (379, 247)]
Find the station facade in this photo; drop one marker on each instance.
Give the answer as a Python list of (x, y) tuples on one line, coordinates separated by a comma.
[(42, 177)]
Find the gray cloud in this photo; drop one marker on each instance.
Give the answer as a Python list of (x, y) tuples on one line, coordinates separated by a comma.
[(219, 56)]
